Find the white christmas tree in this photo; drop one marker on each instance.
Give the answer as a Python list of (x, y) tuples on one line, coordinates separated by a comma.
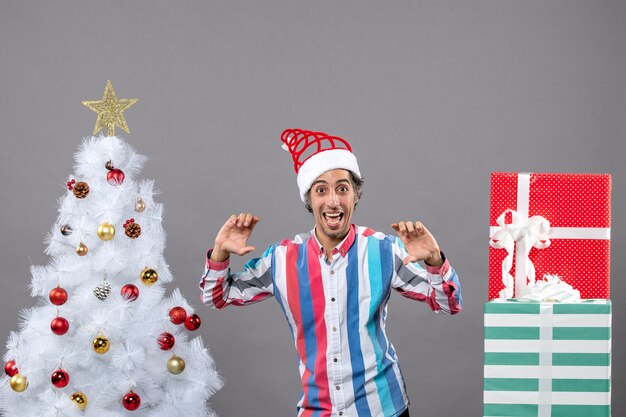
[(104, 340)]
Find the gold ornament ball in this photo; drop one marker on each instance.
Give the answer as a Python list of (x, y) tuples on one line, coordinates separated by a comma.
[(80, 399), (140, 206), (82, 249), (19, 383), (149, 276), (176, 365), (106, 231), (101, 345)]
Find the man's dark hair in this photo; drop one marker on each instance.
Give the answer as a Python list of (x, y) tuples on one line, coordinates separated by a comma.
[(357, 184)]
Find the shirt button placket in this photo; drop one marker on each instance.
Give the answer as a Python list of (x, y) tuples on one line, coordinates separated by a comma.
[(336, 338)]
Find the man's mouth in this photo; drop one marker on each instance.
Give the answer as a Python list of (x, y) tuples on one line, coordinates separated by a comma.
[(333, 219)]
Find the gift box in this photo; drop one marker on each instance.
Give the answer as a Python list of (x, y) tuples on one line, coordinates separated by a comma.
[(547, 359), (550, 224)]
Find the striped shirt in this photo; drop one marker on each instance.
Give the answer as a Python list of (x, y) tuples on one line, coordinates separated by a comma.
[(336, 311)]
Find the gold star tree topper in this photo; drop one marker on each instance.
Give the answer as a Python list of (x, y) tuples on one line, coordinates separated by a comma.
[(110, 111)]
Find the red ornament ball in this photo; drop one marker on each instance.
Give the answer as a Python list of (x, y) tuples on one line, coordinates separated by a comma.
[(193, 322), (131, 401), (10, 368), (166, 341), (59, 326), (130, 292), (58, 296), (60, 378), (178, 315), (115, 176)]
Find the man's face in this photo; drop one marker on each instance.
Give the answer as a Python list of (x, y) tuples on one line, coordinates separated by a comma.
[(333, 199)]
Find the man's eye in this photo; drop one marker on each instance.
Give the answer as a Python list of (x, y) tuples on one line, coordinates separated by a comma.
[(343, 189), (319, 190)]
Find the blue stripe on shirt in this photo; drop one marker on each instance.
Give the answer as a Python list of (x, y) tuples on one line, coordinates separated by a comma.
[(376, 288), (386, 267), (354, 338)]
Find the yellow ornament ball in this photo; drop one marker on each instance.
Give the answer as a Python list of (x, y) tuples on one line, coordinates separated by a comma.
[(19, 383), (80, 399), (176, 365), (82, 249), (106, 231), (101, 345), (149, 276), (140, 205)]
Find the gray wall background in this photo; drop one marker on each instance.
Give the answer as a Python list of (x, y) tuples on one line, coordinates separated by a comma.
[(433, 95)]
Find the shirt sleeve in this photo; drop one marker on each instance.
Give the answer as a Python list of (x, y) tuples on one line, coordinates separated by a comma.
[(439, 287), (220, 288)]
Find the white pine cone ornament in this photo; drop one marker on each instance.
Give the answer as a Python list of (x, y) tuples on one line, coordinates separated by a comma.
[(102, 291)]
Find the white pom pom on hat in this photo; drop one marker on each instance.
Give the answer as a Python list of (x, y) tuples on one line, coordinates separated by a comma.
[(314, 153)]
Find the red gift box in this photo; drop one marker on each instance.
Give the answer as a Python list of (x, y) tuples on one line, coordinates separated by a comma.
[(575, 246)]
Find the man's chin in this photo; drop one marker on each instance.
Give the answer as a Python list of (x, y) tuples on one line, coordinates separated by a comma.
[(336, 234)]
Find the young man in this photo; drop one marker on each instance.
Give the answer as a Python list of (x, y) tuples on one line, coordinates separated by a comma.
[(333, 284)]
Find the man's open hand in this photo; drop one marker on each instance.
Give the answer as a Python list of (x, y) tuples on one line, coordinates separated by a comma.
[(419, 243), (233, 236)]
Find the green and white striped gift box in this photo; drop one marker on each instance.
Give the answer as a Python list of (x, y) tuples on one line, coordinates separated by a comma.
[(547, 359)]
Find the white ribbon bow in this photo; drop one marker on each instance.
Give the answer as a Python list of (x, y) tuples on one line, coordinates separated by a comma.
[(550, 289), (528, 233)]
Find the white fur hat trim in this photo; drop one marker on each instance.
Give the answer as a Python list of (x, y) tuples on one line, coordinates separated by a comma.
[(324, 161)]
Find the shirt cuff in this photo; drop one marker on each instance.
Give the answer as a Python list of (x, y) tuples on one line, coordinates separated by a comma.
[(441, 269), (216, 266)]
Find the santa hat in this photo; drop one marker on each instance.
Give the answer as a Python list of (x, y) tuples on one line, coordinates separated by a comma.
[(314, 153)]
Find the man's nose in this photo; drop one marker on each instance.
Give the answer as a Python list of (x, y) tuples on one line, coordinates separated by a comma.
[(333, 199)]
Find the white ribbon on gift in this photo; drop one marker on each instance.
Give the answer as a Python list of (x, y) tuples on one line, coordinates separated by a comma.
[(528, 233), (546, 348)]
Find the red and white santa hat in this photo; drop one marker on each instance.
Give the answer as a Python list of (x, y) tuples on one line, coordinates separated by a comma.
[(314, 153)]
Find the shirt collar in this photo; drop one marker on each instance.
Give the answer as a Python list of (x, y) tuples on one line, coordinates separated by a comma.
[(342, 248)]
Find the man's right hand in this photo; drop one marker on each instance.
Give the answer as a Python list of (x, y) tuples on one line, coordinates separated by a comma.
[(233, 235)]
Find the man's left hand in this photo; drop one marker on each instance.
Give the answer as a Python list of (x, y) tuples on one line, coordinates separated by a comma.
[(419, 243)]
